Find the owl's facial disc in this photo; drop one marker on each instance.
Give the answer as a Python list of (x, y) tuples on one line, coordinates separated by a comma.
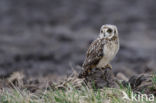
[(108, 31)]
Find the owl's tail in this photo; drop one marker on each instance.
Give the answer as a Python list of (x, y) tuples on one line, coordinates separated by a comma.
[(83, 73)]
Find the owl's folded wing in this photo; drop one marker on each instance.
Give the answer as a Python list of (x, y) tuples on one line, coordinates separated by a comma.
[(94, 54)]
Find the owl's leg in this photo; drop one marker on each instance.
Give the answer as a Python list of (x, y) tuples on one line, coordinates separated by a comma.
[(108, 66)]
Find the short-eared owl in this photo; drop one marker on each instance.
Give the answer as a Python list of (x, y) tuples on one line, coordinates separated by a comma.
[(102, 50)]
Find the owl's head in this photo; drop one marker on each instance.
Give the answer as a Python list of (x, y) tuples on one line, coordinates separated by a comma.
[(108, 31)]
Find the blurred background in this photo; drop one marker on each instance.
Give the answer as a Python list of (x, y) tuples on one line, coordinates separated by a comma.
[(50, 37)]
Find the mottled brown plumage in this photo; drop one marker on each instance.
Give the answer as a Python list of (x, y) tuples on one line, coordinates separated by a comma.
[(94, 54)]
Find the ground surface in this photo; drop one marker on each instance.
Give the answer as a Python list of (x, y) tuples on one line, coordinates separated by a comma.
[(142, 89), (42, 37)]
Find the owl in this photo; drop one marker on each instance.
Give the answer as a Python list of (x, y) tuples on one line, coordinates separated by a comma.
[(102, 50)]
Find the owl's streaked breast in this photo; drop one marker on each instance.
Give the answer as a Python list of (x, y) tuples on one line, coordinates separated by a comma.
[(110, 50)]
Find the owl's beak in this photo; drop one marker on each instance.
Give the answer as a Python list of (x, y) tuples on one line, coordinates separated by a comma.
[(104, 35)]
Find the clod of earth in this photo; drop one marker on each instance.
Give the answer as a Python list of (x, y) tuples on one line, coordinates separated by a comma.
[(100, 78)]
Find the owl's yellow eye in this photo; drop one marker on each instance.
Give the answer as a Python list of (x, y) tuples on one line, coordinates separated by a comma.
[(109, 30), (101, 31)]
